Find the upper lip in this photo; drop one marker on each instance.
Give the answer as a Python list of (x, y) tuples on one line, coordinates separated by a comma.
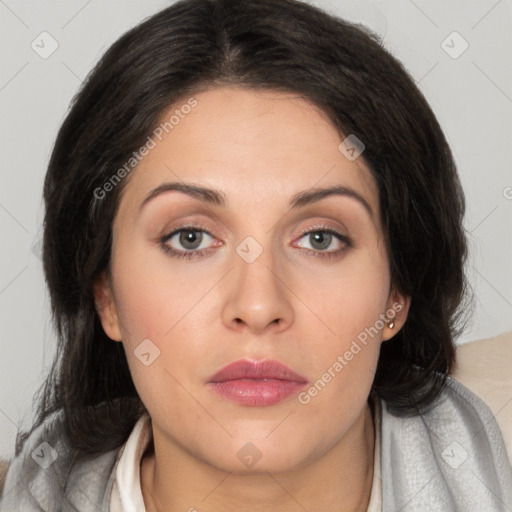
[(249, 369)]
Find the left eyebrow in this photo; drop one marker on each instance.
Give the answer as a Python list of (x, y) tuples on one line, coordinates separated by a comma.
[(312, 196), (218, 198)]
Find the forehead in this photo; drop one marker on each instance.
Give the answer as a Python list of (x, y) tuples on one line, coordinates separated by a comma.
[(257, 146)]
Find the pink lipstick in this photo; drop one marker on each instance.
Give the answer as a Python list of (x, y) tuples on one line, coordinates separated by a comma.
[(256, 383)]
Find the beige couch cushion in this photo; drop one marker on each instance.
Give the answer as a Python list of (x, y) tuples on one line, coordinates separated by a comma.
[(4, 466), (485, 367)]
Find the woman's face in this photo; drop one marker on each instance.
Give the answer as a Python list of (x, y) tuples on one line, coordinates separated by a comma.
[(247, 282)]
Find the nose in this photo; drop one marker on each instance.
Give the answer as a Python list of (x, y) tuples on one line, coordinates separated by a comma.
[(257, 298)]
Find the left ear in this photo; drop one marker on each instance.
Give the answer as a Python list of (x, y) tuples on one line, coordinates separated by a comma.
[(396, 312)]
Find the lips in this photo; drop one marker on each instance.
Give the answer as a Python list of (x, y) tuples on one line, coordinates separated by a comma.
[(256, 383)]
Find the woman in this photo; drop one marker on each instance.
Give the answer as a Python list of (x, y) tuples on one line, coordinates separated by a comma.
[(254, 249)]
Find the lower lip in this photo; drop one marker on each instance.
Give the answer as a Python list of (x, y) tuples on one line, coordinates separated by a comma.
[(257, 393)]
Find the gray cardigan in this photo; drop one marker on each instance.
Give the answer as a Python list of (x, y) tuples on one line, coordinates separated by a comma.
[(451, 458)]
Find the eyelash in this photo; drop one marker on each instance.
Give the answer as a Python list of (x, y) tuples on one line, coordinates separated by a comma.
[(190, 254)]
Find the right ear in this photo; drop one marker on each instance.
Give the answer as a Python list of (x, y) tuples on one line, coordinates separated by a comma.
[(106, 307)]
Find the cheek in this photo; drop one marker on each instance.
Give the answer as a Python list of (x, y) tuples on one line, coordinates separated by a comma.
[(350, 306), (167, 307), (158, 337), (351, 297), (152, 294), (344, 361)]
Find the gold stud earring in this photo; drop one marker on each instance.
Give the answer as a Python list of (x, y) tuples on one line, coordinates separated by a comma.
[(391, 324)]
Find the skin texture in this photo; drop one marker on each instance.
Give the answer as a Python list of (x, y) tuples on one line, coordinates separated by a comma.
[(259, 148)]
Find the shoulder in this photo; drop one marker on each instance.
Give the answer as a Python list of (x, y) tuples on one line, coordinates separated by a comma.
[(485, 367), (46, 475), (450, 457)]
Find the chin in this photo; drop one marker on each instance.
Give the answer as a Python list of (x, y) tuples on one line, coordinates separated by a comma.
[(260, 457)]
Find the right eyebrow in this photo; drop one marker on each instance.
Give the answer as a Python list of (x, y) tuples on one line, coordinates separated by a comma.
[(207, 195)]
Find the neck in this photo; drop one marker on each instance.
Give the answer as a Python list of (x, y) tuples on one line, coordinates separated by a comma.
[(340, 480)]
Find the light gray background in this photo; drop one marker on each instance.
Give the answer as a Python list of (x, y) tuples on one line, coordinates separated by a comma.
[(471, 96)]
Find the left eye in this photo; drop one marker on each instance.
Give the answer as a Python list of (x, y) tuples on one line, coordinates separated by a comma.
[(322, 239)]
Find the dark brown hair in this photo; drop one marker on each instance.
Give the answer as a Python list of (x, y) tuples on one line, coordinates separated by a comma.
[(282, 45)]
